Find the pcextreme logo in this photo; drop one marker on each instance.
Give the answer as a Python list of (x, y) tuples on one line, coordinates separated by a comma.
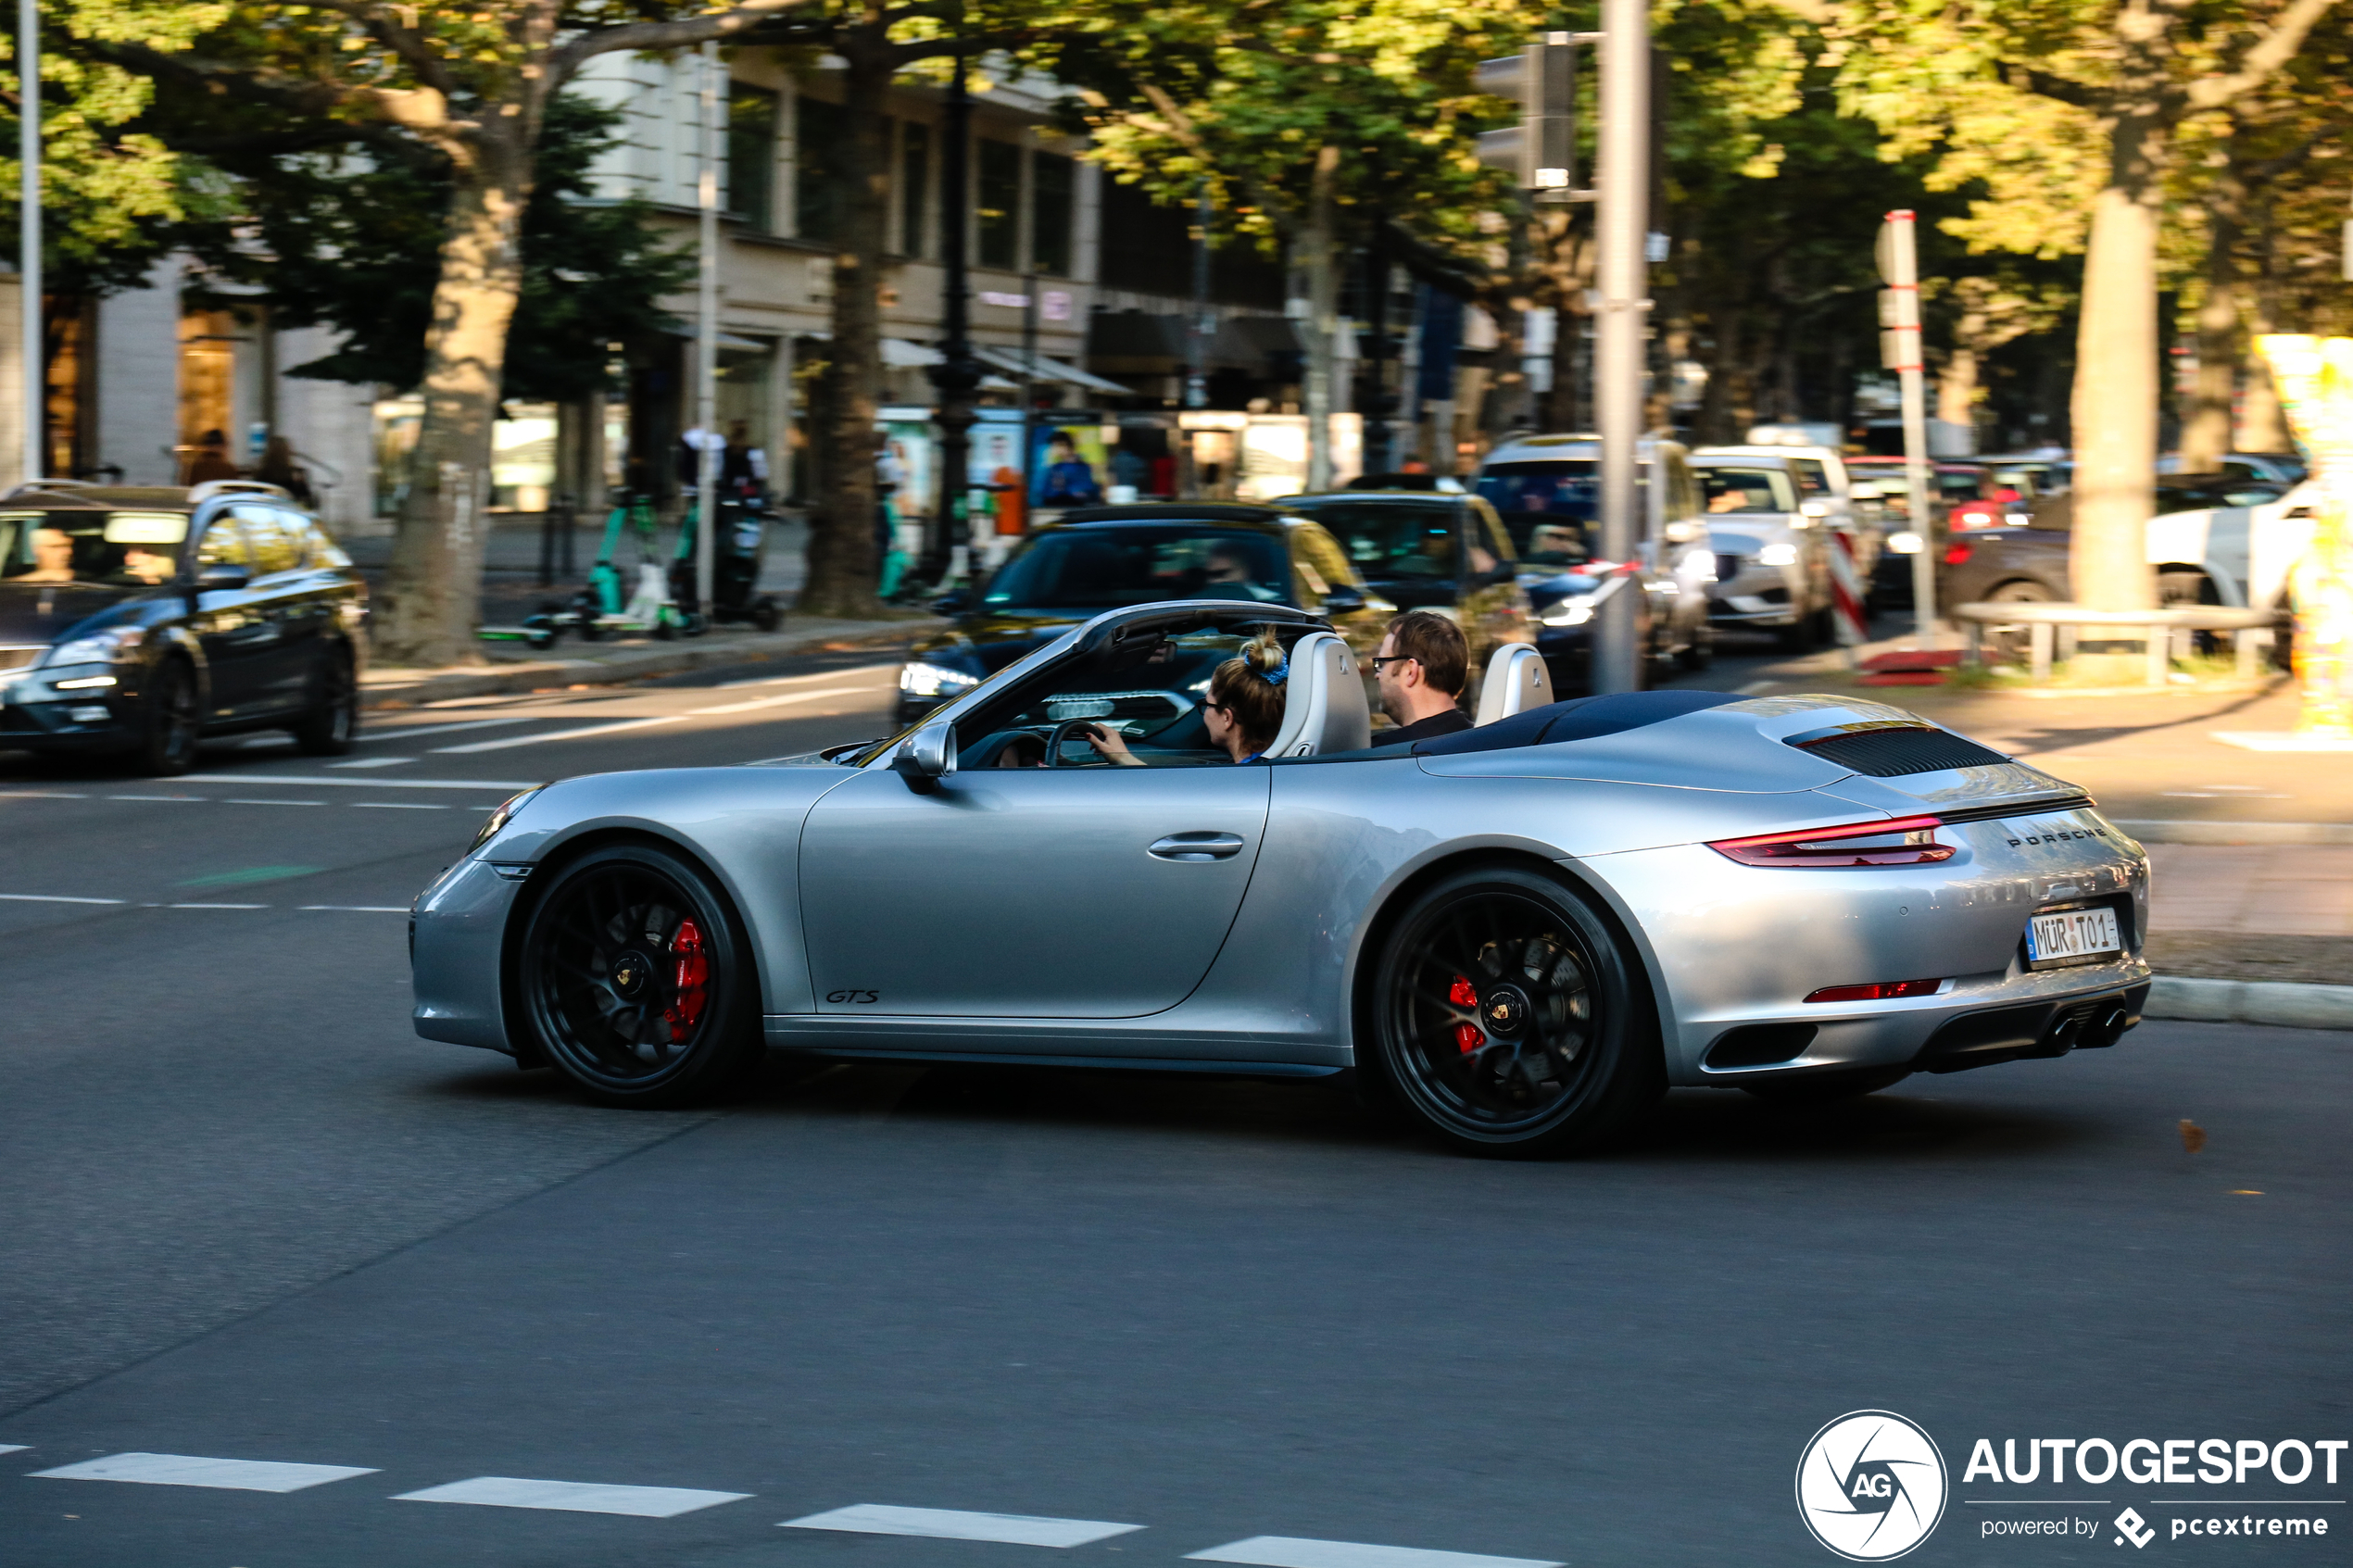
[(1872, 1486)]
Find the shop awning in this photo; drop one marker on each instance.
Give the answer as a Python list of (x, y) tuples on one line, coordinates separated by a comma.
[(1046, 369), (901, 355)]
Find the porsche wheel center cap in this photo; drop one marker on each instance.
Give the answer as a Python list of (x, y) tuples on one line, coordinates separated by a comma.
[(630, 973), (1503, 1010)]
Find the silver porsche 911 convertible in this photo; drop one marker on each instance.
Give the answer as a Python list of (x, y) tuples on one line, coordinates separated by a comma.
[(1520, 933)]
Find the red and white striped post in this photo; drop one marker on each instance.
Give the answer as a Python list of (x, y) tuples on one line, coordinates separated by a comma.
[(1847, 619)]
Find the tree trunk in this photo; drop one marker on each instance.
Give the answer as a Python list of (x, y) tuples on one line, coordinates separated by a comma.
[(2264, 426), (1318, 238), (433, 597), (2206, 434), (2115, 404), (843, 568)]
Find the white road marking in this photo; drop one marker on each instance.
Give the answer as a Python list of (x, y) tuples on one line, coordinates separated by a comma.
[(573, 1497), (38, 794), (558, 734), (216, 906), (820, 675), (1286, 1552), (375, 762), (358, 908), (156, 797), (50, 899), (315, 782), (399, 805), (183, 1470), (12, 1448), (948, 1523), (232, 800), (778, 701), (445, 729)]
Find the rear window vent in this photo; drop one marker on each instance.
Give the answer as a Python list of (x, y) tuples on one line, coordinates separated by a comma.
[(1891, 753)]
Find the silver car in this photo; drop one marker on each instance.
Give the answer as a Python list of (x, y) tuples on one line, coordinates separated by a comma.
[(1520, 933), (1772, 560)]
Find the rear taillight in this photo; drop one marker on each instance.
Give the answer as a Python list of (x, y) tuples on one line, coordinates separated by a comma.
[(1957, 552), (1879, 991), (1905, 840)]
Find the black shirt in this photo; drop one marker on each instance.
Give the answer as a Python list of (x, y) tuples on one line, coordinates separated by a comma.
[(1448, 723)]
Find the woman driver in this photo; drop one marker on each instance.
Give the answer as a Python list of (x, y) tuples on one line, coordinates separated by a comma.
[(1245, 708)]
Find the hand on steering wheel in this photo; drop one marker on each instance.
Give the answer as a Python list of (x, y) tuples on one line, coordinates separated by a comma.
[(1106, 741)]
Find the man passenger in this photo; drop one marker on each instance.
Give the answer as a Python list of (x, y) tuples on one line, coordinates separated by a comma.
[(1420, 670)]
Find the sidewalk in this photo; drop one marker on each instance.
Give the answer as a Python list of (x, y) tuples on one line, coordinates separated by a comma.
[(2251, 853)]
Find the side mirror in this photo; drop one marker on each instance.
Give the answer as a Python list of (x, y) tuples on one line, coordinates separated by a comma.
[(222, 578), (926, 757), (1343, 599)]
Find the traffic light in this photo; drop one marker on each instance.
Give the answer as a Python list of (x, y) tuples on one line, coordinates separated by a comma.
[(1540, 151)]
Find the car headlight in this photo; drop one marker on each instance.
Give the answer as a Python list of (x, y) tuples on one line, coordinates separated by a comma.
[(495, 823), (1698, 561), (1778, 555), (107, 646), (1568, 612), (1907, 544), (919, 679)]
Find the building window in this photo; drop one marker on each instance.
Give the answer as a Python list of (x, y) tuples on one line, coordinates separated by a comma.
[(1051, 180), (818, 134), (914, 185), (751, 156), (999, 211)]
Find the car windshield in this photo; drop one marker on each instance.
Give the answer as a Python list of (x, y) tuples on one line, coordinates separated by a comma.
[(1097, 567), (117, 549), (1745, 490), (1549, 508), (1391, 540)]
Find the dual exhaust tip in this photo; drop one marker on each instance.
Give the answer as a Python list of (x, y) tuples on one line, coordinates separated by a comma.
[(2102, 1023)]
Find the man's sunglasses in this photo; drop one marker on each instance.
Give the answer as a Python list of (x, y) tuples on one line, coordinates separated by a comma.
[(1393, 658)]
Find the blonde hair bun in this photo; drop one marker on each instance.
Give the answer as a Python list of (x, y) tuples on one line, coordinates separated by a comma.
[(1263, 653)]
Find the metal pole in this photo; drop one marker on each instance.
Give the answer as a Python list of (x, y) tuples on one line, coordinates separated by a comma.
[(1903, 269), (707, 336), (1624, 179), (1028, 378), (36, 413), (957, 375)]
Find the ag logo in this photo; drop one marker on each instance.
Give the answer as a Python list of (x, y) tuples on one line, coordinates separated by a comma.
[(1871, 1485)]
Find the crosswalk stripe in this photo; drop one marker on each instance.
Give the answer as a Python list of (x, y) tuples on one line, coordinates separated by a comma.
[(1288, 1551), (573, 1497), (188, 1469), (948, 1523)]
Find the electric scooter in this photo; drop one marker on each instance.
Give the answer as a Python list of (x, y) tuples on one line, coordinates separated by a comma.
[(737, 551), (599, 608)]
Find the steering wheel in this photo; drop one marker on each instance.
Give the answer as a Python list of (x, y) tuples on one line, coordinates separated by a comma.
[(1062, 732)]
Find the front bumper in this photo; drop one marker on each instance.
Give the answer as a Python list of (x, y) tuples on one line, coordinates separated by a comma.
[(457, 954), (36, 717)]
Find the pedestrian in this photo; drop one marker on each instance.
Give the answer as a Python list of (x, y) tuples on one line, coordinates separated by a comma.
[(211, 461), (278, 466)]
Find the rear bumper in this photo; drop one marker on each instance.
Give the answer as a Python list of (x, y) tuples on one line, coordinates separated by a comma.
[(2097, 1013)]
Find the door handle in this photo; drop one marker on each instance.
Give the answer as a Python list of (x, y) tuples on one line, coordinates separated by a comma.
[(1197, 847)]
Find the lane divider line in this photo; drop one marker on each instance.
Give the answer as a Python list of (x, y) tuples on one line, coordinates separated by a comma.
[(356, 909), (314, 782), (185, 1470), (233, 800), (512, 741), (820, 675), (375, 762), (952, 1524), (401, 805), (448, 729), (216, 906), (573, 1497), (39, 795), (784, 701), (1288, 1551), (52, 898), (155, 797)]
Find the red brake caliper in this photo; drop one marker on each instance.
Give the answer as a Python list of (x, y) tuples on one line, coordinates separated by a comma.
[(691, 985), (1466, 1035)]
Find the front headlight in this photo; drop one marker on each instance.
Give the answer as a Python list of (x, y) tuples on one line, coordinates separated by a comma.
[(1903, 544), (497, 821), (919, 679), (109, 647), (1568, 612), (1699, 562), (1778, 555)]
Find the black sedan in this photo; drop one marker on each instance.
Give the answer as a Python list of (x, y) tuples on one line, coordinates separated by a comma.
[(137, 621), (1097, 558)]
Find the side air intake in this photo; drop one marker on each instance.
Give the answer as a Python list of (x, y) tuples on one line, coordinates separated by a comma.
[(1890, 751)]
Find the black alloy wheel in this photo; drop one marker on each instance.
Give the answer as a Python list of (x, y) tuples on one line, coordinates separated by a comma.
[(328, 729), (1507, 1019), (1826, 1088), (635, 979), (170, 722)]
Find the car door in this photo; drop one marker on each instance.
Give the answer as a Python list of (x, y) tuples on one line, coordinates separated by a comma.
[(1032, 892), (288, 604), (237, 639)]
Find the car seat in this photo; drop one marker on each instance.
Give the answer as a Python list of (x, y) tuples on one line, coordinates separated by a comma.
[(1324, 708), (1516, 681)]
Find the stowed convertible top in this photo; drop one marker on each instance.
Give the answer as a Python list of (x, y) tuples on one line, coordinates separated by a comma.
[(1582, 718)]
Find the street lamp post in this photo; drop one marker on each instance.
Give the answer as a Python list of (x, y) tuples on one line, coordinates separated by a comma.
[(1618, 360), (29, 265), (707, 336), (957, 376)]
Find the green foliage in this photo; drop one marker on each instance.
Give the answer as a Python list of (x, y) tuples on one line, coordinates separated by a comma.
[(352, 240)]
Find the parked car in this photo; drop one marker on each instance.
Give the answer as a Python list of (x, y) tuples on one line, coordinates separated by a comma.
[(1423, 549), (2279, 468), (1547, 491), (139, 620), (1772, 560), (1097, 558)]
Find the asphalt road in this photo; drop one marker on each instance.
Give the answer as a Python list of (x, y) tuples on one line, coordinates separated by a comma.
[(245, 1215)]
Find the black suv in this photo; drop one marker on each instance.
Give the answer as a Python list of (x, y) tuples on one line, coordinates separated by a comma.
[(140, 620)]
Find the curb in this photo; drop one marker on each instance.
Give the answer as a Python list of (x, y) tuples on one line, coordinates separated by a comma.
[(2182, 831), (396, 689), (2251, 1001)]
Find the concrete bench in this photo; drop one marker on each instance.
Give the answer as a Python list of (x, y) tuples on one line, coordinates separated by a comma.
[(2155, 630)]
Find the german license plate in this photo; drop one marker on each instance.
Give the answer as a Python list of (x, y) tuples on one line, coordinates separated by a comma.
[(2065, 936)]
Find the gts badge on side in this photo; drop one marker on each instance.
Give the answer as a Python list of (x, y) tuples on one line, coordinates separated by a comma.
[(861, 997)]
